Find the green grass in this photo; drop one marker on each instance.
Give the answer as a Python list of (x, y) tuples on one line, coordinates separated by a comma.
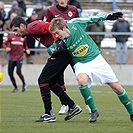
[(20, 110)]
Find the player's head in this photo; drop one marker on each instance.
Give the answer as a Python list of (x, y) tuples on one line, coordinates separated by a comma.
[(63, 3), (19, 25), (59, 28)]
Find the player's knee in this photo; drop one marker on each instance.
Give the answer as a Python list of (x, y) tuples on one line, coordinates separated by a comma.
[(19, 73), (42, 80), (82, 79), (10, 74)]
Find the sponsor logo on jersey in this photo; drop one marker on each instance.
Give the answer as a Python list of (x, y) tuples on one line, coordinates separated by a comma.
[(81, 50), (57, 15), (16, 43)]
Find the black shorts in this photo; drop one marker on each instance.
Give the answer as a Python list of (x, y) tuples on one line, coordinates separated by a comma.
[(54, 68)]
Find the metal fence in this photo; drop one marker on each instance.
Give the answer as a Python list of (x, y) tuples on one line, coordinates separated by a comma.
[(108, 38)]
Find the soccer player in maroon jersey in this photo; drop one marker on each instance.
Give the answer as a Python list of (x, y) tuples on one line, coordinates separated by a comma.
[(52, 70), (15, 45), (62, 9), (68, 12)]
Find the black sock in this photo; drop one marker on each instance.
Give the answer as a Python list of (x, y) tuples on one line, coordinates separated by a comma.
[(46, 97), (62, 95), (13, 81)]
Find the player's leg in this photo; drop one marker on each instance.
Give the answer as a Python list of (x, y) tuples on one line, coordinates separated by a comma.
[(21, 76), (50, 73), (83, 73), (64, 108), (123, 97), (106, 75), (82, 79), (87, 106), (11, 66)]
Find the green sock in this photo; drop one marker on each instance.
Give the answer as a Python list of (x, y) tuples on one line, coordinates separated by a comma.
[(125, 100), (86, 93)]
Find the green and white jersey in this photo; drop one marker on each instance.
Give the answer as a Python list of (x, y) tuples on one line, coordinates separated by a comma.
[(79, 44)]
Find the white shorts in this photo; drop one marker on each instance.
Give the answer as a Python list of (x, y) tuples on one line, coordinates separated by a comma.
[(97, 67)]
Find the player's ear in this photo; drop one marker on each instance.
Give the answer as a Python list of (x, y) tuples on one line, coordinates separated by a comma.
[(22, 25)]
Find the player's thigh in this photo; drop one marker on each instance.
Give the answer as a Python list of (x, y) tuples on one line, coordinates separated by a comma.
[(55, 67), (11, 66), (18, 66)]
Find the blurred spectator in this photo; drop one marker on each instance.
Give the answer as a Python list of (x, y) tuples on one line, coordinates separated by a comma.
[(96, 27), (39, 10), (50, 3), (22, 5), (121, 25), (37, 1), (6, 26), (2, 20), (15, 8), (30, 40), (75, 3)]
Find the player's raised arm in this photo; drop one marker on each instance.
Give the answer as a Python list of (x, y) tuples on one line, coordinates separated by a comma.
[(83, 22)]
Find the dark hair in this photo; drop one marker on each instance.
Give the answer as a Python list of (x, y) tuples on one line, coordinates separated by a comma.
[(17, 21)]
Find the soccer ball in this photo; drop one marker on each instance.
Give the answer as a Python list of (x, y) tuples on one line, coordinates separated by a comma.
[(1, 76)]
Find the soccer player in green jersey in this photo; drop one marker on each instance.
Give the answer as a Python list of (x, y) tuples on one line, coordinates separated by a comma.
[(88, 59)]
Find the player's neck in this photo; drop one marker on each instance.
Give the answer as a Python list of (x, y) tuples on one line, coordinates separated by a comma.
[(62, 8)]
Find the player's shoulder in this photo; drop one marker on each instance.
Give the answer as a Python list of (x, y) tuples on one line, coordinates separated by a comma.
[(72, 6), (11, 36), (34, 24)]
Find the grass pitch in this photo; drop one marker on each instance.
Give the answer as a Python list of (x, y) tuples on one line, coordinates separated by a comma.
[(20, 110)]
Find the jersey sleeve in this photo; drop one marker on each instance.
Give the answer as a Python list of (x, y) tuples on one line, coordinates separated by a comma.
[(48, 16), (83, 22), (6, 42)]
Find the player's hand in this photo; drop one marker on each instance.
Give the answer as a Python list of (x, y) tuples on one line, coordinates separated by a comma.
[(114, 16), (27, 51), (8, 49)]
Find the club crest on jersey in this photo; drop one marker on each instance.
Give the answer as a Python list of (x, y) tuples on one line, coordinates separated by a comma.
[(70, 14), (81, 50)]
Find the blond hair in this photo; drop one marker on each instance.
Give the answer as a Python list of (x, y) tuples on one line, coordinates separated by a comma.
[(58, 23)]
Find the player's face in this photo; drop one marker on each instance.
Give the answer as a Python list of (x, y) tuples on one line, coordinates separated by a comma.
[(62, 3), (61, 34), (19, 31)]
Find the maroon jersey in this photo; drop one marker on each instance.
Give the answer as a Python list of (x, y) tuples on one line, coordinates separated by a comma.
[(17, 45), (40, 31), (56, 11)]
